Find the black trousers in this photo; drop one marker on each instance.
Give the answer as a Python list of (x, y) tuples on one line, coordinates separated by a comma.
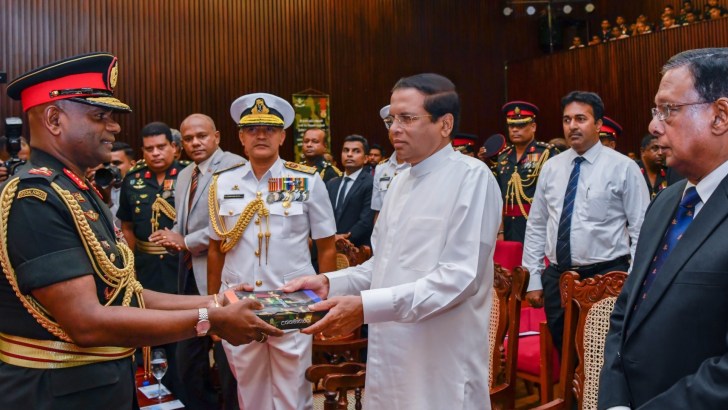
[(552, 295)]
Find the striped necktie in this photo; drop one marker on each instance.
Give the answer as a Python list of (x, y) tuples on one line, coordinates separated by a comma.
[(675, 231), (193, 189), (563, 239)]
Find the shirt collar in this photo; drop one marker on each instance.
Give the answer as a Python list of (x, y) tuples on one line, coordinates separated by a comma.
[(355, 175), (432, 162), (275, 169), (709, 183), (590, 155), (204, 166)]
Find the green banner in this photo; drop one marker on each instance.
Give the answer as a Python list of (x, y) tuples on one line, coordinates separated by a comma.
[(312, 111)]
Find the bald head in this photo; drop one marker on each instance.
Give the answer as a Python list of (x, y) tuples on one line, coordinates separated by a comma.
[(200, 138)]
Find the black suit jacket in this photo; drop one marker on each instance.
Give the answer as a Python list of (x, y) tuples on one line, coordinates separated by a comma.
[(672, 352), (357, 215)]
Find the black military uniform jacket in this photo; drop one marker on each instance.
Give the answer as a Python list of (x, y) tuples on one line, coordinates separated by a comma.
[(156, 270), (325, 169), (660, 180), (517, 178), (44, 247)]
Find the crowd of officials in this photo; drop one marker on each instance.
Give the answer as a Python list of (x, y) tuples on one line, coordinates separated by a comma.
[(143, 259)]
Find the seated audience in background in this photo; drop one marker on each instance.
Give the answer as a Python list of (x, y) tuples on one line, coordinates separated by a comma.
[(605, 33), (621, 24), (668, 22), (709, 14), (351, 194), (595, 40), (716, 13), (576, 43), (689, 18), (617, 34)]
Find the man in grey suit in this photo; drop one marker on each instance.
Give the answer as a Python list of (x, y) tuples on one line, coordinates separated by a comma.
[(200, 140), (666, 346)]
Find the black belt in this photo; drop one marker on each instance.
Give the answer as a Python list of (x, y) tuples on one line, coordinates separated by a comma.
[(595, 267)]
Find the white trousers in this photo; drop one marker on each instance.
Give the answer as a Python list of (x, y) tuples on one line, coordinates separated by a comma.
[(271, 375)]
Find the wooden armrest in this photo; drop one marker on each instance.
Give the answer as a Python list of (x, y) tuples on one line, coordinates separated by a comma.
[(320, 371)]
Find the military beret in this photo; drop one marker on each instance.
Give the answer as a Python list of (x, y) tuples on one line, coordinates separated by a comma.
[(610, 128), (262, 109), (519, 112), (88, 79)]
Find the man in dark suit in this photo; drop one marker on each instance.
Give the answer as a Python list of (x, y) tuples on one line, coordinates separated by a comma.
[(666, 347), (351, 194)]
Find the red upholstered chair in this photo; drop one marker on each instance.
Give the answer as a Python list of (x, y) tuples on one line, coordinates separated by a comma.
[(508, 254), (538, 360)]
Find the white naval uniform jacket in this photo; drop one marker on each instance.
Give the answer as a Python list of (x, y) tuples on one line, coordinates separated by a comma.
[(427, 291), (287, 255)]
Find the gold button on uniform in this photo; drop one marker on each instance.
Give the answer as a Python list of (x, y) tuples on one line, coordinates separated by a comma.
[(112, 257), (258, 282)]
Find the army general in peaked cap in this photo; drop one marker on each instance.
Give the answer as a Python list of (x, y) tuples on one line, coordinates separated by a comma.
[(70, 302)]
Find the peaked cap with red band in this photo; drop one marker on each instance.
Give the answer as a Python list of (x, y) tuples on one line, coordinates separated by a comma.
[(87, 79), (519, 112), (610, 128)]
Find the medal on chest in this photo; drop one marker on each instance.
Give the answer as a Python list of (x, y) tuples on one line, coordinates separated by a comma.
[(287, 190)]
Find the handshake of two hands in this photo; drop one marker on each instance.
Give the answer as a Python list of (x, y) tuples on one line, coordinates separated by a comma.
[(345, 313)]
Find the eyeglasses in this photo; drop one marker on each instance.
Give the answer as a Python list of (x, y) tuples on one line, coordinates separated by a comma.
[(403, 120), (662, 111)]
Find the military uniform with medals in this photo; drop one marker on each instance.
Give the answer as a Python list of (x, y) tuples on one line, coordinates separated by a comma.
[(385, 172), (661, 180), (150, 207), (517, 177), (264, 227), (55, 227)]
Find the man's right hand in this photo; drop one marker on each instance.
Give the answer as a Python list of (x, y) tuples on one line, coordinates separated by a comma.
[(238, 324), (316, 283), (535, 298)]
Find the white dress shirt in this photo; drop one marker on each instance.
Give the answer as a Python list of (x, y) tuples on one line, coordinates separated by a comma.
[(427, 291), (351, 178), (383, 175), (610, 205)]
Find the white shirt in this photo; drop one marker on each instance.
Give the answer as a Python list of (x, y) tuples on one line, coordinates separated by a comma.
[(351, 178), (383, 175), (427, 291), (610, 205), (288, 255)]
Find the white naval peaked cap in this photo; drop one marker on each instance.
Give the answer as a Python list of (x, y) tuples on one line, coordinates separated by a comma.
[(384, 112), (262, 109)]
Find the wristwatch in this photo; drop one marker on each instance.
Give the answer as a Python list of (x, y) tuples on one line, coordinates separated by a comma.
[(203, 323)]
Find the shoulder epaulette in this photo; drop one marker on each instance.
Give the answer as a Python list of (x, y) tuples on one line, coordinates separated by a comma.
[(184, 162), (543, 144), (300, 167), (139, 165), (220, 171), (42, 173), (337, 170), (383, 161)]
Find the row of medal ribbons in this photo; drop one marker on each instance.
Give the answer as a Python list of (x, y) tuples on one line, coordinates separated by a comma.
[(287, 189)]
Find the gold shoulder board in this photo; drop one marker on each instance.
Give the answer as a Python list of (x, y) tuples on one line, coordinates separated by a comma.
[(300, 167), (229, 168)]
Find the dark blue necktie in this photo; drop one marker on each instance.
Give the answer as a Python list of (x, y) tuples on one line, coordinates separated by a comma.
[(563, 239), (679, 224), (342, 196)]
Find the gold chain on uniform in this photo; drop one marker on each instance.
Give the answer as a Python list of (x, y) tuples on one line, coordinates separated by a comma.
[(114, 277), (515, 192), (161, 205), (231, 237)]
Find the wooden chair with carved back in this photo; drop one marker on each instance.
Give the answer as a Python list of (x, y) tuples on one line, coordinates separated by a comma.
[(588, 305), (509, 292), (349, 255), (337, 382)]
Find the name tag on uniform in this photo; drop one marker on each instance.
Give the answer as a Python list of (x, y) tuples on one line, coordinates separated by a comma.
[(384, 183), (234, 196)]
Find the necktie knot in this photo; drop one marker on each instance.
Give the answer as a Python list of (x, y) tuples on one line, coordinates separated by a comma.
[(691, 198), (578, 160)]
